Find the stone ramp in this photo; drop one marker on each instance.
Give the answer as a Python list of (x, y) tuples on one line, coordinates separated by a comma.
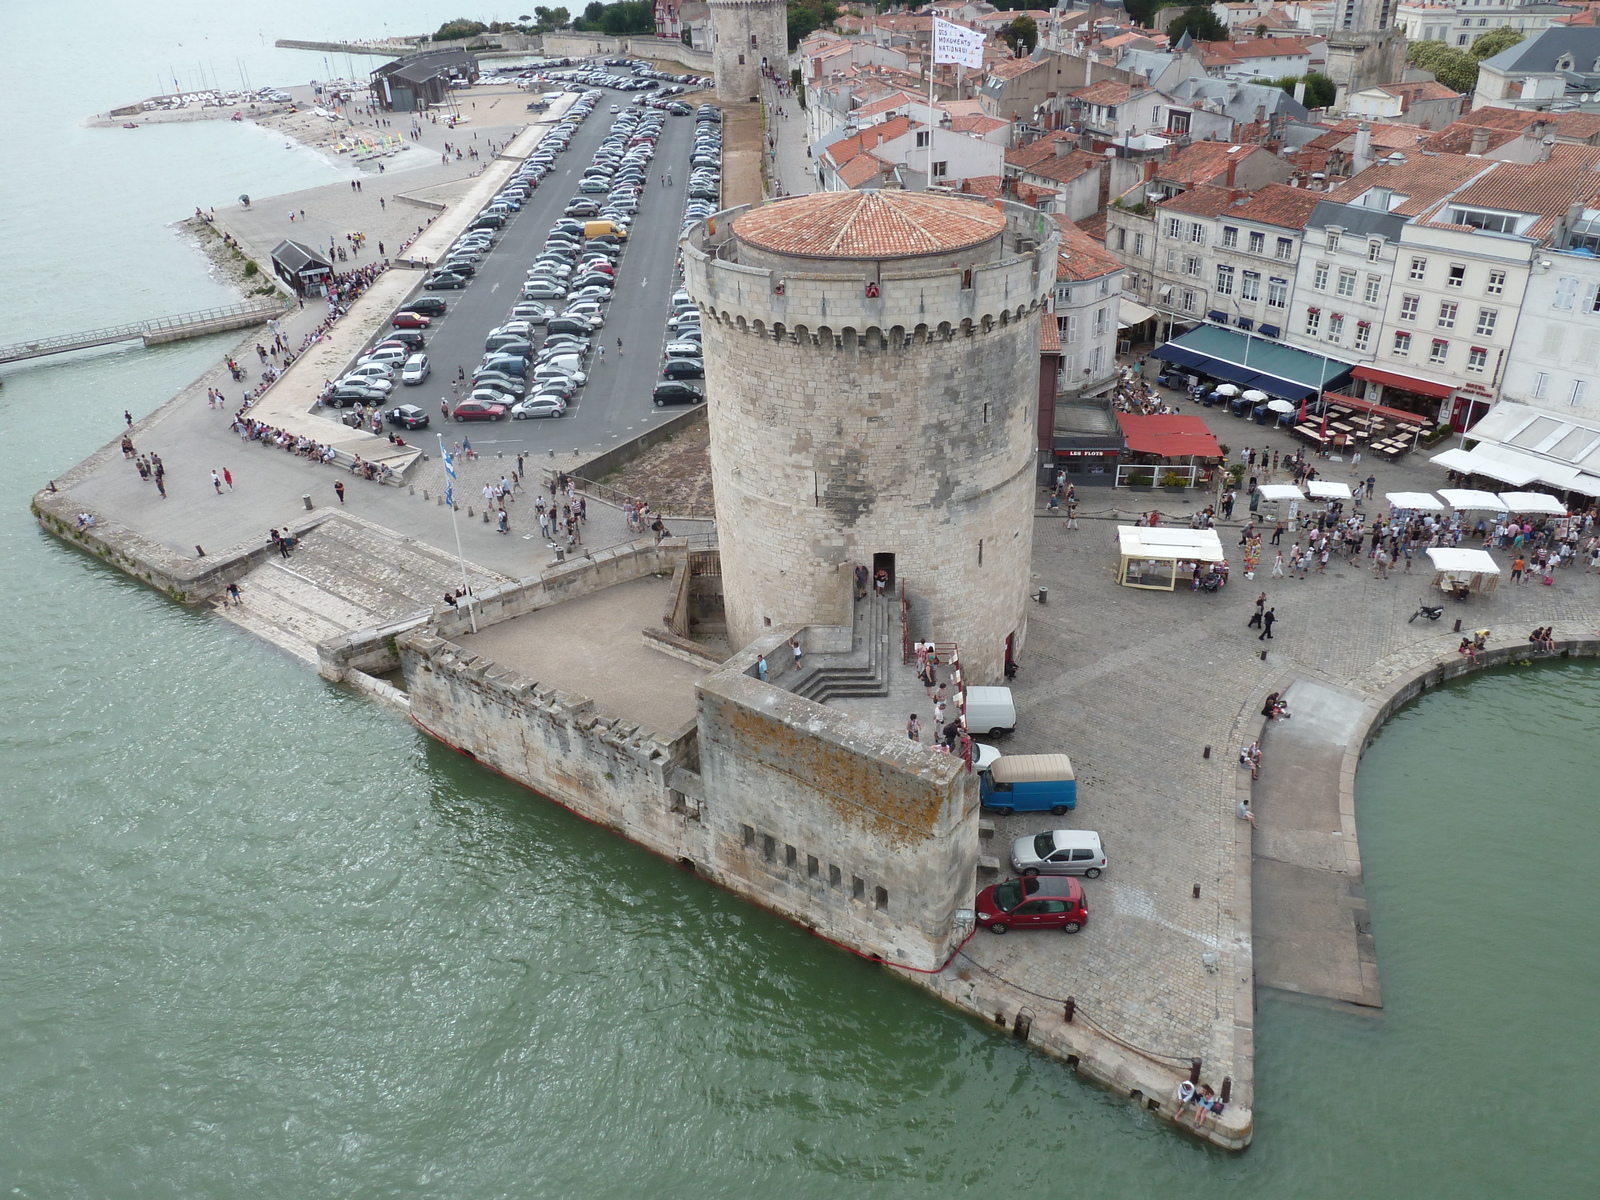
[(347, 574), (1312, 930)]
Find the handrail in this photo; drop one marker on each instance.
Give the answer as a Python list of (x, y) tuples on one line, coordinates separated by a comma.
[(136, 329)]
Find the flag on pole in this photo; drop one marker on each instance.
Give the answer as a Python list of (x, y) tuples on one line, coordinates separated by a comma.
[(957, 44), (449, 477)]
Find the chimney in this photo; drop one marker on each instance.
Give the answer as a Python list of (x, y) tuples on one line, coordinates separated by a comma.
[(1149, 169), (1063, 147), (1480, 140), (1362, 157), (1233, 167), (1545, 148)]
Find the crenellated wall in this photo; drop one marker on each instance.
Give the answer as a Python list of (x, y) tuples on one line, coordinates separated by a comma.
[(743, 33)]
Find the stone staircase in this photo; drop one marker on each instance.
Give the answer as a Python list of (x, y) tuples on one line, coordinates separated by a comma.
[(347, 574), (865, 670)]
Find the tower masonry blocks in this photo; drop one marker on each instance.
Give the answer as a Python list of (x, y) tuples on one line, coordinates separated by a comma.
[(872, 368), (744, 34)]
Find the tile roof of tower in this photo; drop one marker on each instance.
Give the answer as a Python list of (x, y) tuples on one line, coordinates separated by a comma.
[(869, 224)]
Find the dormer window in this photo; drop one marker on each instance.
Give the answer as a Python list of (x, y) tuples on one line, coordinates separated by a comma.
[(1564, 63)]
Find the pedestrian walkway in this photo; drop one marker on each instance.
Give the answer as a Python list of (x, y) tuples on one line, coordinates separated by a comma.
[(787, 163)]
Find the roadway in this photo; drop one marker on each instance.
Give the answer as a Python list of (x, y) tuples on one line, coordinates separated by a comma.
[(615, 405)]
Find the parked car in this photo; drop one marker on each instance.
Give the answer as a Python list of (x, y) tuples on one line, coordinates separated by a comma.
[(406, 337), (408, 416), (684, 368), (416, 369), (478, 410), (392, 355), (542, 405), (430, 306), (1040, 902), (371, 370), (409, 320), (444, 280), (377, 383), (354, 393), (673, 392), (502, 384), (1059, 852)]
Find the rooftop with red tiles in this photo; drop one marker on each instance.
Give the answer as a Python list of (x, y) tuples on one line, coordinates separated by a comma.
[(869, 224)]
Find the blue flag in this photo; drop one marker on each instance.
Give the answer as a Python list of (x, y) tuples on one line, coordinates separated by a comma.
[(449, 478)]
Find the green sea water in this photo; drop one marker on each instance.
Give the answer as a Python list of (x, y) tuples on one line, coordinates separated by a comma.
[(260, 939)]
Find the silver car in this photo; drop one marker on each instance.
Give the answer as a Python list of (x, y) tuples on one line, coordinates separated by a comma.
[(416, 369), (1059, 852)]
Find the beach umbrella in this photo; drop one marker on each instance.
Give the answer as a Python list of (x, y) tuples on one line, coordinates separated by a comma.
[(1227, 389), (1254, 396), (1281, 406)]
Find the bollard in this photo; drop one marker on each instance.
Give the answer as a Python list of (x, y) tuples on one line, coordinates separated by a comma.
[(1458, 624), (486, 516), (425, 496), (439, 501), (552, 451), (200, 550), (499, 453), (1227, 1087), (306, 500), (1197, 891), (1206, 753), (1069, 1009), (469, 510), (1194, 1071), (411, 488), (1263, 656), (561, 554)]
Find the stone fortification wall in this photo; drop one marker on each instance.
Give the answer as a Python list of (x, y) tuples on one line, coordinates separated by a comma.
[(743, 32), (835, 822), (844, 426), (581, 45)]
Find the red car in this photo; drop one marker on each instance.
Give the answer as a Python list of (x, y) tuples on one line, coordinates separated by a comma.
[(410, 320), (478, 410), (1040, 902)]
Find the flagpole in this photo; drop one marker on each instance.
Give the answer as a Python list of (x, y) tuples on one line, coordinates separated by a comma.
[(450, 472), (932, 122)]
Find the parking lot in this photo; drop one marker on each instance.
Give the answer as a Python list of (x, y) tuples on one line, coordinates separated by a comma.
[(616, 403)]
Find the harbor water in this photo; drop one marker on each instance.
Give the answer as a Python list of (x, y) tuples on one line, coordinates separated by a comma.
[(260, 938)]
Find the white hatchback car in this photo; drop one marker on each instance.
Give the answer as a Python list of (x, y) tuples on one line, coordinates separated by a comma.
[(416, 369), (1059, 852)]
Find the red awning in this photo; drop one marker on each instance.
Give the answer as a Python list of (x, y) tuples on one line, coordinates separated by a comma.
[(1405, 383), (1371, 406), (1168, 436)]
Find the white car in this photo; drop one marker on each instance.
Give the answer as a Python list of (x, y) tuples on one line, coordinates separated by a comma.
[(546, 374), (416, 369), (1059, 852), (377, 384), (391, 356), (983, 756), (375, 370)]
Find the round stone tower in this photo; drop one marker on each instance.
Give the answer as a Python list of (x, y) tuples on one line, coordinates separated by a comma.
[(872, 363), (744, 35)]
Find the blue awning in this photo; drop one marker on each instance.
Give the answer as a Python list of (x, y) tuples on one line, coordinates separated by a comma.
[(1254, 362), (1271, 331), (1220, 317)]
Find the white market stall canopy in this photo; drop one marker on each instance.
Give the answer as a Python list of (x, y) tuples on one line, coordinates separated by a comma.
[(1469, 499), (1461, 572), (1150, 556), (1497, 462), (1419, 501), (1533, 502), (1327, 489), (1280, 491)]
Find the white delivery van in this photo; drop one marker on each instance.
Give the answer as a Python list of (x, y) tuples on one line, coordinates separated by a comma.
[(990, 710)]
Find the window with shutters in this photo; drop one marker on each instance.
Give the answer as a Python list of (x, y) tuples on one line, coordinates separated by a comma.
[(1591, 298), (1402, 344), (1566, 292), (1347, 283), (1069, 329), (1172, 260), (1373, 289), (1197, 233), (1579, 387), (1063, 293), (1477, 359), (1250, 287), (1541, 385), (1277, 293), (1191, 302), (1224, 281), (1438, 351), (1102, 322), (1488, 318), (1192, 265), (1138, 245), (1174, 227)]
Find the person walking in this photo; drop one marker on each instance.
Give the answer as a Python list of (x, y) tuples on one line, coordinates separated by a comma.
[(338, 488), (1267, 620), (1255, 618), (794, 644), (227, 478), (1518, 566), (216, 481), (128, 417), (619, 347)]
